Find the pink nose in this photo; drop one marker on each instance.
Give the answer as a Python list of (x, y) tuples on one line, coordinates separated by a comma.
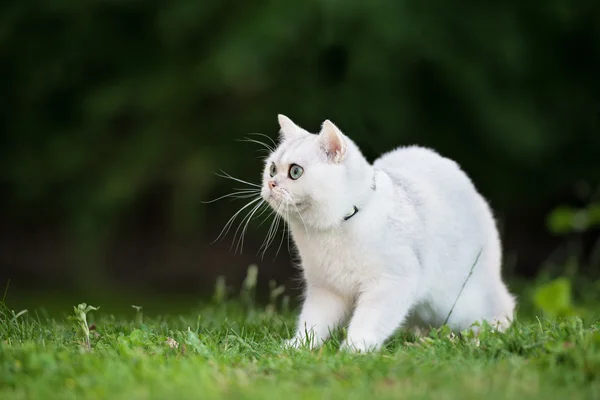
[(272, 184)]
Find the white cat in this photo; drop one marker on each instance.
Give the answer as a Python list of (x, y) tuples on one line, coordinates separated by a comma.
[(390, 244)]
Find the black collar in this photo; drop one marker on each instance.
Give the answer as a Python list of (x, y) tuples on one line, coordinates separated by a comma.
[(354, 208), (351, 214)]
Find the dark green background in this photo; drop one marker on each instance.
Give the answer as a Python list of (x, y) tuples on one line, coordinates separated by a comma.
[(114, 115)]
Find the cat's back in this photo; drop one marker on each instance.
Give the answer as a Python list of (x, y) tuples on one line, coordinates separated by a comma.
[(414, 158), (438, 187), (423, 167)]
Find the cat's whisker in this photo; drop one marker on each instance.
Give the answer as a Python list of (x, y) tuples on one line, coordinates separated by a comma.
[(249, 217), (288, 239), (225, 175), (229, 223), (290, 200), (267, 217), (227, 226), (272, 231), (262, 246), (235, 234), (246, 217), (264, 210), (241, 194), (283, 233), (274, 235), (301, 219), (265, 136), (256, 190), (267, 147), (266, 242)]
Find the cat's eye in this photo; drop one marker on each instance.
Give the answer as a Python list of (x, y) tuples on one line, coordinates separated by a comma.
[(296, 171), (273, 170)]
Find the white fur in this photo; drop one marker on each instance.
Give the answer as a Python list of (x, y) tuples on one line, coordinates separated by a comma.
[(403, 258)]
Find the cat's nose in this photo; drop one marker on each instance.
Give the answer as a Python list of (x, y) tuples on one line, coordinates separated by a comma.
[(272, 184)]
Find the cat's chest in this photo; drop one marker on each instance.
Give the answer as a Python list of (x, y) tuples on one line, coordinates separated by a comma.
[(343, 262)]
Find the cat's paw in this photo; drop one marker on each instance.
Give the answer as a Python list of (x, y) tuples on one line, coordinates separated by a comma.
[(300, 343), (359, 346), (293, 343)]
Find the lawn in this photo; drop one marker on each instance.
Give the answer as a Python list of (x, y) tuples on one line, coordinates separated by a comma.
[(232, 349)]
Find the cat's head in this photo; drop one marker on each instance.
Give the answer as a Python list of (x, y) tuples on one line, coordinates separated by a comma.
[(314, 179)]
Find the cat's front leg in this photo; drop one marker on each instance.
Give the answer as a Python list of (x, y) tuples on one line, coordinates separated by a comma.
[(323, 310), (381, 308)]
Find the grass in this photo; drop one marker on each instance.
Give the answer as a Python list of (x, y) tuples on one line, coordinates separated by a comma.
[(232, 349)]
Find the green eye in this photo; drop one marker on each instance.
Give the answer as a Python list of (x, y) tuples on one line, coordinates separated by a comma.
[(273, 170), (296, 171)]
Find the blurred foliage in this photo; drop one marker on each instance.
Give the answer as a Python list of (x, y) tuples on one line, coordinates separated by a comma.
[(564, 220), (115, 112), (554, 298)]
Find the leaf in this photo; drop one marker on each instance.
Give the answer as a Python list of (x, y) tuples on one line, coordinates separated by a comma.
[(193, 341), (554, 298), (17, 315), (564, 220), (138, 338), (560, 220)]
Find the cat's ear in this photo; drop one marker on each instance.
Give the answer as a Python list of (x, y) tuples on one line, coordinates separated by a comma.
[(288, 128), (332, 141)]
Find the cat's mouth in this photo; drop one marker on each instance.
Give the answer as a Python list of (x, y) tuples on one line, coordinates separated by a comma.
[(282, 201)]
